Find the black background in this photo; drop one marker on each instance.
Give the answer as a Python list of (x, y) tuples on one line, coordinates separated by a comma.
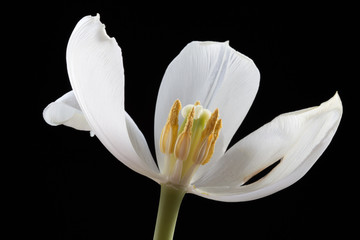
[(71, 187)]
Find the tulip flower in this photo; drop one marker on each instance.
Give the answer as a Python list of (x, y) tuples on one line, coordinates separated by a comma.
[(203, 98)]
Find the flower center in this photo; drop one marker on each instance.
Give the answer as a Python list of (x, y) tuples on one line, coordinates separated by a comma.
[(190, 146)]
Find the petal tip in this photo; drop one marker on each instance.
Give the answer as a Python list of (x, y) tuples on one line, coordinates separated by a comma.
[(337, 97), (88, 20), (95, 18), (47, 115), (334, 102)]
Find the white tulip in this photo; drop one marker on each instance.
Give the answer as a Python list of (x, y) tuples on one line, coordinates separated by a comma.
[(218, 85)]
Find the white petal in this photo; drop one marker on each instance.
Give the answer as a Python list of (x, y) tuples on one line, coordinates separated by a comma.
[(217, 76), (297, 138), (141, 147), (66, 111), (96, 74)]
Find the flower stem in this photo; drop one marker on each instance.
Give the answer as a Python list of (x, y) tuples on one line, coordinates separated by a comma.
[(170, 201)]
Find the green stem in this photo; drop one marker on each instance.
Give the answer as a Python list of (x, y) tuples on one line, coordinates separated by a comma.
[(170, 201)]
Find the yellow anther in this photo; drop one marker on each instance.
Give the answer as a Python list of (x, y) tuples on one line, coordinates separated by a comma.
[(189, 121), (170, 130), (210, 125), (165, 138), (174, 113), (183, 142), (214, 136), (217, 129), (203, 149), (206, 138), (197, 103)]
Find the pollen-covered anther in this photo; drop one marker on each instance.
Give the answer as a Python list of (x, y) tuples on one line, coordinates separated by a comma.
[(183, 142), (208, 138), (210, 125), (214, 136), (169, 133)]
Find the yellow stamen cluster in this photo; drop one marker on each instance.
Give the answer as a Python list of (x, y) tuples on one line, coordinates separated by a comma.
[(193, 144)]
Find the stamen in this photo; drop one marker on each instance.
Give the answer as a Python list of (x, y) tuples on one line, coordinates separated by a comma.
[(203, 150), (170, 130), (183, 143), (190, 121), (206, 139), (215, 135), (210, 125), (217, 129), (174, 112), (165, 139)]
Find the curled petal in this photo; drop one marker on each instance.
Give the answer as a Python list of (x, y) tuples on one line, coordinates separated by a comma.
[(96, 73), (66, 111), (297, 139)]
